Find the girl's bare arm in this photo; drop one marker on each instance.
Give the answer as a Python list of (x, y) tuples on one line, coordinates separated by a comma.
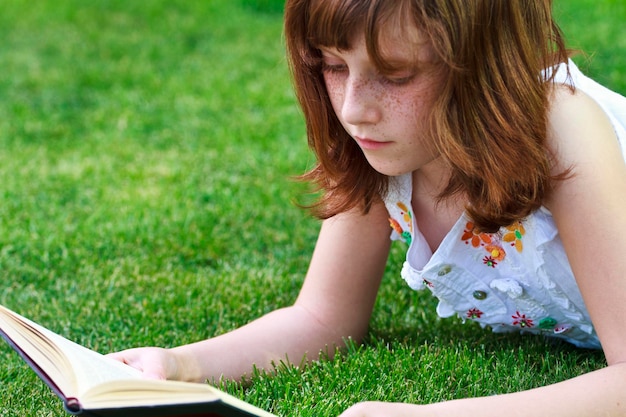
[(590, 211), (335, 303)]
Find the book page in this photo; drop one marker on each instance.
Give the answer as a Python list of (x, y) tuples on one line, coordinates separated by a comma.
[(92, 368), (72, 367), (155, 392), (33, 343), (98, 381)]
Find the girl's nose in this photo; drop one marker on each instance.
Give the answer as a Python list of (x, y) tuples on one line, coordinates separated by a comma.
[(361, 104)]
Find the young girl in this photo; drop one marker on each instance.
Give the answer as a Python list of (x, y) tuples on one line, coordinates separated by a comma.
[(463, 125)]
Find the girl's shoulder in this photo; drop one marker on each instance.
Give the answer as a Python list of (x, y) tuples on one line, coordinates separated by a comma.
[(585, 122), (583, 112)]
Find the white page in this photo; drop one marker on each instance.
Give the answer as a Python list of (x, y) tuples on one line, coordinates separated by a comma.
[(68, 364)]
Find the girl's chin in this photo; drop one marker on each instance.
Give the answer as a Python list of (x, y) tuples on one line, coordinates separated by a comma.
[(388, 168), (390, 171)]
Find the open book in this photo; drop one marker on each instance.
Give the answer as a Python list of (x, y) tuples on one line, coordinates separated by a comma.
[(91, 384)]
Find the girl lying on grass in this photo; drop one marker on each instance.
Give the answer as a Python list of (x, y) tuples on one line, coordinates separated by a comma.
[(465, 126)]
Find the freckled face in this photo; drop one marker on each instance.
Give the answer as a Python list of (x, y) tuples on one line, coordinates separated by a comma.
[(385, 113)]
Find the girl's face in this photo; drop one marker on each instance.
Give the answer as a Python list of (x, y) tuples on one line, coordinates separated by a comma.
[(385, 113)]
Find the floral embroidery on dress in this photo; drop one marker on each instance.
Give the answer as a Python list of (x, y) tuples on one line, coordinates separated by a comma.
[(489, 261), (491, 242), (395, 225), (521, 320), (547, 323), (474, 313), (562, 328), (496, 254), (514, 235), (472, 235), (550, 324), (407, 233), (406, 215)]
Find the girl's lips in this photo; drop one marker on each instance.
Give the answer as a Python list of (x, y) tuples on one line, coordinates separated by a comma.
[(370, 144)]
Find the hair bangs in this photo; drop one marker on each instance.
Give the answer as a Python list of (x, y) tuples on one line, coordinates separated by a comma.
[(390, 24), (335, 23)]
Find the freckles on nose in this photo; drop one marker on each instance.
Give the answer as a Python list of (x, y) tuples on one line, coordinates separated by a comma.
[(360, 89), (360, 101)]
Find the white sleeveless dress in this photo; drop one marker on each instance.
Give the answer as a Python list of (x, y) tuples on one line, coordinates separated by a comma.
[(518, 279)]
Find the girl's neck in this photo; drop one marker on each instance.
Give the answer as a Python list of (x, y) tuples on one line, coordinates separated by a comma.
[(431, 179), (434, 218)]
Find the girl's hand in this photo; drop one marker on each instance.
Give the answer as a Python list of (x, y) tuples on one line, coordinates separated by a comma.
[(154, 363)]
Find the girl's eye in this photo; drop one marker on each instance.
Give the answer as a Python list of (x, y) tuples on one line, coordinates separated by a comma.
[(397, 80), (334, 68)]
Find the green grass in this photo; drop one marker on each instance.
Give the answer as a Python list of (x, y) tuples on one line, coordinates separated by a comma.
[(146, 156)]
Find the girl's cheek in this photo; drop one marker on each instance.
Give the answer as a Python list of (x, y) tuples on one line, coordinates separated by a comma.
[(334, 90), (332, 84)]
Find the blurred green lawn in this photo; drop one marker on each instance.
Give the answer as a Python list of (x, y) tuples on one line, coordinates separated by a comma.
[(147, 151)]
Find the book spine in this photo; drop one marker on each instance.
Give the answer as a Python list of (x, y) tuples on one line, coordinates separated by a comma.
[(72, 406), (40, 372)]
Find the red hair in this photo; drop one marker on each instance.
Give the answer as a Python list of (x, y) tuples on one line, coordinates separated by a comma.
[(489, 123)]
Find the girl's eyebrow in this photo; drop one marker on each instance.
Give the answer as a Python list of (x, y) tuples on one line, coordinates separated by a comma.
[(399, 62), (394, 63), (329, 50), (330, 53)]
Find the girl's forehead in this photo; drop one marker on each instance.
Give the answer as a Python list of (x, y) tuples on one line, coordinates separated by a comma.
[(391, 30), (407, 37), (393, 47), (384, 37), (338, 23)]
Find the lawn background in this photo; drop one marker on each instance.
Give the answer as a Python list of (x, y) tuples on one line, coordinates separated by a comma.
[(147, 151)]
